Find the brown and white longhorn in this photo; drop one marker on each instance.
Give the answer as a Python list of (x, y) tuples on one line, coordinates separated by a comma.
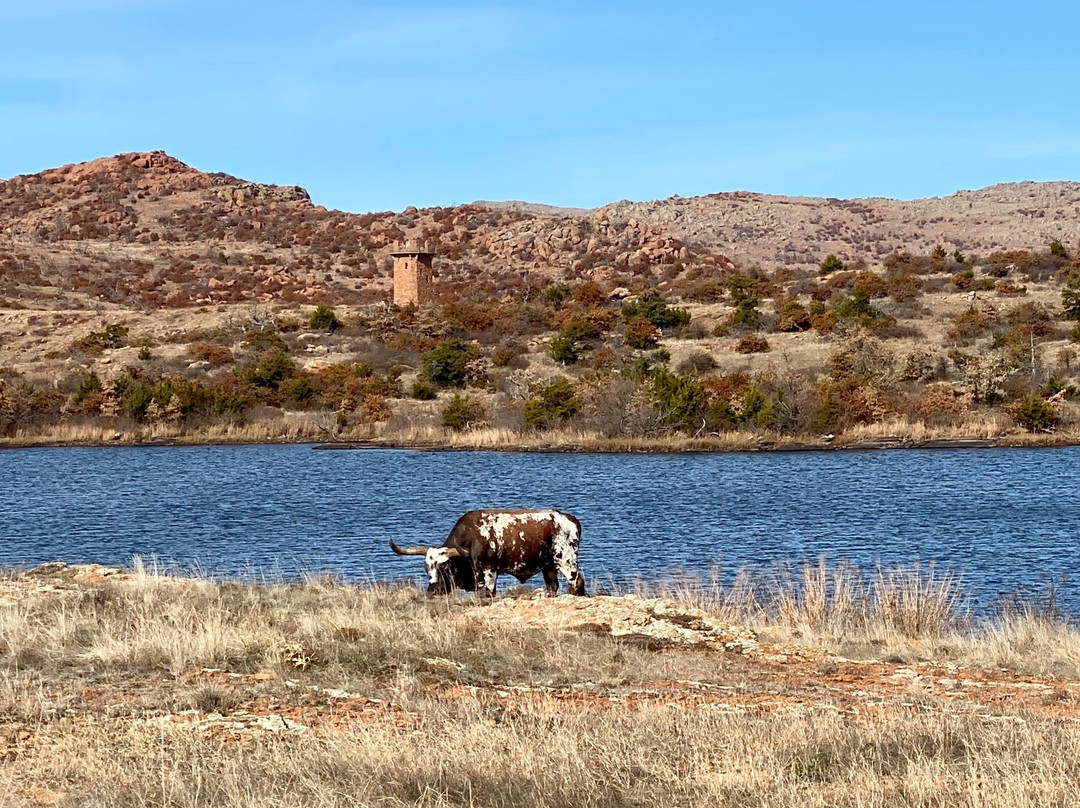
[(485, 543)]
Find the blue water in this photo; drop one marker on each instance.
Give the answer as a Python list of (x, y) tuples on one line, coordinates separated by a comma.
[(1008, 520)]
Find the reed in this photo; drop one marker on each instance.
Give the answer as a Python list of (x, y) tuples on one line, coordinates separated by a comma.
[(320, 427)]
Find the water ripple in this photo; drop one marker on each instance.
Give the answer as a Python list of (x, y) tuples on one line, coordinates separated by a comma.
[(1009, 520)]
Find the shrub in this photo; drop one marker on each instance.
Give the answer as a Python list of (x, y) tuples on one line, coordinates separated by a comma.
[(657, 312), (746, 314), (374, 408), (555, 402), (871, 283), (1031, 319), (904, 285), (567, 346), (565, 350), (1070, 301), (709, 291), (264, 339), (1009, 288), (227, 400), (831, 264), (114, 336), (298, 390), (555, 295), (682, 400), (510, 355), (189, 397), (447, 363), (323, 319), (698, 362), (971, 323), (462, 412), (847, 401), (824, 322), (641, 334), (23, 404), (752, 343), (1057, 249), (964, 278), (793, 316), (1033, 413), (863, 358), (90, 385), (857, 306), (145, 354), (272, 369), (740, 286), (938, 406), (423, 391), (588, 294), (136, 396), (470, 316), (210, 353)]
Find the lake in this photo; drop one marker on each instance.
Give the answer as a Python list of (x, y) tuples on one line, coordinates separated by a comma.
[(1008, 520)]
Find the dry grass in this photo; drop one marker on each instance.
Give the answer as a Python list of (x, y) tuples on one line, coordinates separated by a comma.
[(318, 427), (975, 425), (914, 611), (105, 700), (465, 757), (907, 602)]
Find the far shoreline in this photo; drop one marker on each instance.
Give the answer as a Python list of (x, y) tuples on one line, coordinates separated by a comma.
[(743, 444)]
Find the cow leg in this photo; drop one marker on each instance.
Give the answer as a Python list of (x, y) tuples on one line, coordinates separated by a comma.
[(551, 580), (485, 583)]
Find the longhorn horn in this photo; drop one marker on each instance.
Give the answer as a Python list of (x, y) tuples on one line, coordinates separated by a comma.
[(408, 550), (456, 552)]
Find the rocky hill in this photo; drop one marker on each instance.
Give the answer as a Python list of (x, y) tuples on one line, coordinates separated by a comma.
[(148, 231), (800, 231), (140, 294)]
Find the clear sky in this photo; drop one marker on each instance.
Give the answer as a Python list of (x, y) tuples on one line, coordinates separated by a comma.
[(375, 106)]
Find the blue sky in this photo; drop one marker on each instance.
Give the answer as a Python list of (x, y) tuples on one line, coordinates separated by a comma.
[(374, 106)]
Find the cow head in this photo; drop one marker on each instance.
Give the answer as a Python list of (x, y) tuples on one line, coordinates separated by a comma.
[(447, 568)]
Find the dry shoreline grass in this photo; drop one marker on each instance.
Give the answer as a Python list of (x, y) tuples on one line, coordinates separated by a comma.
[(889, 434), (128, 689)]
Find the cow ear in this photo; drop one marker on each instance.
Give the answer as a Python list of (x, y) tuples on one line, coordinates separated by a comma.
[(456, 552)]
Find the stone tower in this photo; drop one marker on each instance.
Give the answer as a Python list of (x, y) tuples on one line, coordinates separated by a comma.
[(412, 274)]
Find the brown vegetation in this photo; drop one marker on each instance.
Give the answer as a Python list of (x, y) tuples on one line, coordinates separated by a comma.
[(816, 688), (143, 298)]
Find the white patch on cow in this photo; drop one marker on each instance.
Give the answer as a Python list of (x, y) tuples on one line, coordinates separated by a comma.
[(495, 526), (434, 559), (488, 579), (565, 541)]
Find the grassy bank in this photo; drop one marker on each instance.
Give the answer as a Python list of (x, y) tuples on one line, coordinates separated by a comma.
[(309, 428), (819, 688)]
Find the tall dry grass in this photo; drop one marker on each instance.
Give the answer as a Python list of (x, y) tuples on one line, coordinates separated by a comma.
[(906, 611), (909, 601), (319, 427), (143, 637), (474, 756)]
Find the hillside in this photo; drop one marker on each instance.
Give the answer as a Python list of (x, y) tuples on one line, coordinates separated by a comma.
[(189, 265)]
